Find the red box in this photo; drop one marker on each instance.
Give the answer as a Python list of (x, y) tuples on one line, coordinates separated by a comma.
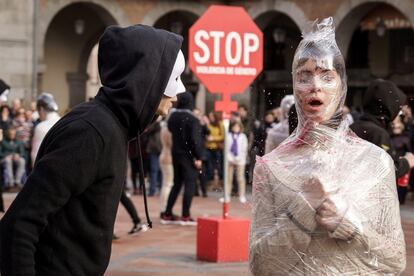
[(223, 240)]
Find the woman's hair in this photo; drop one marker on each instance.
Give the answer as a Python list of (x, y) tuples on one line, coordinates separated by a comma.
[(234, 123), (317, 50)]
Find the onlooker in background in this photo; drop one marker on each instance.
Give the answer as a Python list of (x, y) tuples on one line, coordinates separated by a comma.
[(48, 116), (35, 113), (236, 155), (214, 145), (243, 113), (202, 177), (277, 114), (23, 128), (400, 143), (16, 105), (382, 102), (187, 152), (166, 165), (260, 133), (5, 119), (154, 149), (4, 92), (280, 131), (258, 139), (13, 156)]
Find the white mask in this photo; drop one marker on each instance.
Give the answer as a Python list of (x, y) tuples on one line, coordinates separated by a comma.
[(175, 85), (4, 95)]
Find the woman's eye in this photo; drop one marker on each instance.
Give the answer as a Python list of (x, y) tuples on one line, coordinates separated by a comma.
[(327, 78)]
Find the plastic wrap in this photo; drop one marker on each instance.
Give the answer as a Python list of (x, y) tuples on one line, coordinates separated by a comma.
[(324, 201)]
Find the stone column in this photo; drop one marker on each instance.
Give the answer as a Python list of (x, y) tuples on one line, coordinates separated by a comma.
[(77, 87)]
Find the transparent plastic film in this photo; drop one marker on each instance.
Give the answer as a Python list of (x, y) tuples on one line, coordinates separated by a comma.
[(324, 201)]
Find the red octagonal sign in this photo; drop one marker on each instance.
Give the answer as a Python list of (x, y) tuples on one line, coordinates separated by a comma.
[(226, 50)]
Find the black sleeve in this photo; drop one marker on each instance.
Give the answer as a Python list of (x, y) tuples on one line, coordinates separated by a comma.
[(67, 165), (196, 139), (401, 164)]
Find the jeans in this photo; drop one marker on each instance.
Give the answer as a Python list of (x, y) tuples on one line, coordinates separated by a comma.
[(20, 164), (214, 162), (154, 172)]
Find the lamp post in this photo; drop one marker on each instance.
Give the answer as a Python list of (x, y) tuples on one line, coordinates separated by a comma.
[(79, 26), (380, 28)]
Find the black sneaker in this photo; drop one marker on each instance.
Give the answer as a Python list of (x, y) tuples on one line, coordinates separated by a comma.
[(188, 221), (136, 229), (169, 219)]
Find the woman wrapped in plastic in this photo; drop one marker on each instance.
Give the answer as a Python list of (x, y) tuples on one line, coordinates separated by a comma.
[(325, 200)]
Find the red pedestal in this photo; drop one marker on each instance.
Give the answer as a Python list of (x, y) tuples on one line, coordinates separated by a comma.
[(222, 240)]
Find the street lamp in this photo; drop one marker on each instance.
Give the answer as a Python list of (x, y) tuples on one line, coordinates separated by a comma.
[(279, 35), (79, 26), (380, 28)]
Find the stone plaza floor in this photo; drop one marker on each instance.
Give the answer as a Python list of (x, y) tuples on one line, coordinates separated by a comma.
[(171, 249)]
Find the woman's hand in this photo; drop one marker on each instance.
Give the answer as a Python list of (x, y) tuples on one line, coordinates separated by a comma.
[(314, 192), (331, 213)]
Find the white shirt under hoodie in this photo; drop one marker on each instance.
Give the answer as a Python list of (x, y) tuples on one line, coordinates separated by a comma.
[(40, 132)]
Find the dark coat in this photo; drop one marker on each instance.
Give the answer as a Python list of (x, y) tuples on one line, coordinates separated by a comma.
[(382, 102), (185, 129), (62, 222)]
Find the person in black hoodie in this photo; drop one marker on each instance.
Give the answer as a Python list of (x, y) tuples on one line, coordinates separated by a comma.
[(61, 223), (382, 102), (187, 152)]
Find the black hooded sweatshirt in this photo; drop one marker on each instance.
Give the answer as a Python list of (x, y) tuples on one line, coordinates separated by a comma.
[(185, 129), (61, 223), (382, 102)]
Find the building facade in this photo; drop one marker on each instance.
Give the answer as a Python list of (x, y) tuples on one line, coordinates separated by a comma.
[(49, 45)]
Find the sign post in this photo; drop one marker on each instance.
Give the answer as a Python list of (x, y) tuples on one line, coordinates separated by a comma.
[(226, 54)]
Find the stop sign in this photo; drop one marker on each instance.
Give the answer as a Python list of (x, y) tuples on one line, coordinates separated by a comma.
[(226, 49)]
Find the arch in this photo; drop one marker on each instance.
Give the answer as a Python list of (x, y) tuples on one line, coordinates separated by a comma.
[(350, 13), (64, 53), (290, 9), (108, 10), (162, 8)]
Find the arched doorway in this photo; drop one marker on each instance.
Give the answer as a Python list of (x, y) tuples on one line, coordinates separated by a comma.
[(69, 40), (281, 38), (381, 46), (179, 22)]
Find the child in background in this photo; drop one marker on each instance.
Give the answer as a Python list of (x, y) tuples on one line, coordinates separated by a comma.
[(236, 155)]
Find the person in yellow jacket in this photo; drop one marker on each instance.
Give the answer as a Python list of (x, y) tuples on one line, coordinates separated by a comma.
[(214, 146)]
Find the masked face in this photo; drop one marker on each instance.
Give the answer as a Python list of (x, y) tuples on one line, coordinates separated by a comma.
[(175, 85), (4, 95), (317, 87)]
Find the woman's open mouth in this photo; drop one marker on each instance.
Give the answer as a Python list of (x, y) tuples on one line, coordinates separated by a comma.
[(315, 104)]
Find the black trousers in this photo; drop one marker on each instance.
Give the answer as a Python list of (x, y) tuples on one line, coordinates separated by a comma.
[(129, 206), (184, 173), (402, 193), (1, 198)]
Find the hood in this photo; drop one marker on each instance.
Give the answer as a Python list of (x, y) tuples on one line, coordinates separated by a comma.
[(135, 64), (383, 100), (286, 104), (185, 101)]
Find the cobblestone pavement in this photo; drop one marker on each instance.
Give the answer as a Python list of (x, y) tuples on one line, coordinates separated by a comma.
[(171, 250)]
